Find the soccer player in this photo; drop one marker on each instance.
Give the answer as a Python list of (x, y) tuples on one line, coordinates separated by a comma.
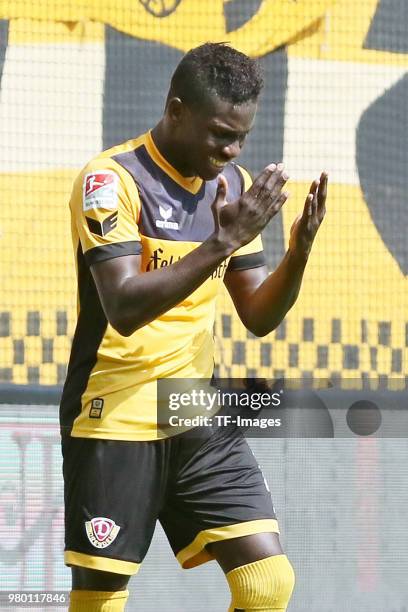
[(158, 223)]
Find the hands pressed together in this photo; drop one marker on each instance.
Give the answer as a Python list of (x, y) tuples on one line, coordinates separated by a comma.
[(305, 226), (237, 223)]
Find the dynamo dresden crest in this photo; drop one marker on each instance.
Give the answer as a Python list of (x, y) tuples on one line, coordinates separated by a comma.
[(101, 531)]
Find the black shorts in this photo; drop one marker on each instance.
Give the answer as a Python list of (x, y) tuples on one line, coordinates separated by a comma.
[(202, 489)]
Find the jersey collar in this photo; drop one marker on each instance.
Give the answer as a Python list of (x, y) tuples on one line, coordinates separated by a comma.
[(191, 184)]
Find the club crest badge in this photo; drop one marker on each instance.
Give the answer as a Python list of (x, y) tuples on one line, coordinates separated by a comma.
[(101, 531)]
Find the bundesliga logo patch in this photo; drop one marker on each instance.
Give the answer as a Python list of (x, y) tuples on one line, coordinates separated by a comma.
[(101, 531), (100, 190)]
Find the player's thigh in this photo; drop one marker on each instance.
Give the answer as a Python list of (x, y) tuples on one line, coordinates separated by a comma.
[(218, 494), (241, 551), (96, 580), (113, 494)]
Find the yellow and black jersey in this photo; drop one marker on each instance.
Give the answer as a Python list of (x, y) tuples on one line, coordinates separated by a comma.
[(127, 201)]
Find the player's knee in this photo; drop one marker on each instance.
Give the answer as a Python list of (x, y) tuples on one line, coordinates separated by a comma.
[(96, 580), (262, 585), (98, 601)]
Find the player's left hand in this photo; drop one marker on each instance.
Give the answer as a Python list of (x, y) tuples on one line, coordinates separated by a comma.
[(305, 226)]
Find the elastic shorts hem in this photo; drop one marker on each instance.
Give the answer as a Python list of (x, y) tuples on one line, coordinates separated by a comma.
[(196, 554), (91, 434), (104, 564)]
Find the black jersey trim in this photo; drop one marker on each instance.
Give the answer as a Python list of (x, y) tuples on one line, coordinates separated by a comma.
[(89, 333), (110, 251), (245, 262)]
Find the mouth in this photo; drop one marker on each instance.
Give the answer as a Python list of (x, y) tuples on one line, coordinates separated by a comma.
[(217, 163)]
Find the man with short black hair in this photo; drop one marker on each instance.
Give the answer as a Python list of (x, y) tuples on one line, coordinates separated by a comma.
[(158, 223), (216, 68)]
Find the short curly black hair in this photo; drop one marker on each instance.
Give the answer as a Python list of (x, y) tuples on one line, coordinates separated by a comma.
[(216, 68)]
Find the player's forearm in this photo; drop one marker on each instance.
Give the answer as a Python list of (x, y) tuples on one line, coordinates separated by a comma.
[(144, 297), (276, 295)]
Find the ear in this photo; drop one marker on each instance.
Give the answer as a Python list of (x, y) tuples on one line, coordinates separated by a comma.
[(176, 110)]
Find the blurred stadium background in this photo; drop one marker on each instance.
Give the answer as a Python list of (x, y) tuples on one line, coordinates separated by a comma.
[(78, 77)]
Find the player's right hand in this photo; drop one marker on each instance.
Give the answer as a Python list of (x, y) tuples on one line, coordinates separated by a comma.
[(239, 222)]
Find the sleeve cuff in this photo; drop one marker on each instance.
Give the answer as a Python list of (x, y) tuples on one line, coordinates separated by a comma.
[(245, 262), (110, 251)]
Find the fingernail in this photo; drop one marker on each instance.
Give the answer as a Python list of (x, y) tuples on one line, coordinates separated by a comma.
[(271, 166), (285, 176), (280, 166)]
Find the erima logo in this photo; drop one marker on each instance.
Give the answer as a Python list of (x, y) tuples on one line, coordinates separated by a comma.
[(101, 531), (165, 213)]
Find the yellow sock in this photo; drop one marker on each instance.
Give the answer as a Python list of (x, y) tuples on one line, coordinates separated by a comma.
[(264, 585), (98, 601)]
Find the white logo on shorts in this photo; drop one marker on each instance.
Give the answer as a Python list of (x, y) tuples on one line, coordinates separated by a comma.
[(101, 531)]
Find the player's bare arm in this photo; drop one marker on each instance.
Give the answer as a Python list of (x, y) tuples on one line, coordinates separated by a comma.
[(131, 299), (262, 301)]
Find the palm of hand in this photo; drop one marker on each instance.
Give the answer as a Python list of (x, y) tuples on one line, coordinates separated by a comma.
[(305, 226)]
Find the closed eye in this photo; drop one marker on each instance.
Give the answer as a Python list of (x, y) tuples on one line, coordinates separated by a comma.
[(230, 136)]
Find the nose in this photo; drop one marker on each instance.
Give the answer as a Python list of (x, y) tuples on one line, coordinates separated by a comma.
[(233, 149)]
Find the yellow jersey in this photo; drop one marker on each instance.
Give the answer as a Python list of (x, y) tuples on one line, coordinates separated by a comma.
[(129, 200)]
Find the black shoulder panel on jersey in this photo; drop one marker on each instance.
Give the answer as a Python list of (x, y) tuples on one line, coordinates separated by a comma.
[(110, 251), (246, 262)]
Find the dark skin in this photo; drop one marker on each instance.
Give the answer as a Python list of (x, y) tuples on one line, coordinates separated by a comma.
[(198, 142)]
